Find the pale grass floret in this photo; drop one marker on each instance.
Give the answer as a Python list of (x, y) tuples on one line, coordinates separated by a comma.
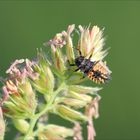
[(91, 43)]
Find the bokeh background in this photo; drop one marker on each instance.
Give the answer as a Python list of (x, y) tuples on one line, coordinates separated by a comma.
[(25, 25)]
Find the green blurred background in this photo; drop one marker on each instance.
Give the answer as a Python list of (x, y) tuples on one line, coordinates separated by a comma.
[(25, 25)]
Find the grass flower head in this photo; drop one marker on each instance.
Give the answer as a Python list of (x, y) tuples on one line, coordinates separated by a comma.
[(35, 88)]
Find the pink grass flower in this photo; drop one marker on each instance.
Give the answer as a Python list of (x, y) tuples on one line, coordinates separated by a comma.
[(92, 111)]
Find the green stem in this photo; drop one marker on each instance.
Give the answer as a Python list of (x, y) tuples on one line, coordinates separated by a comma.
[(46, 108)]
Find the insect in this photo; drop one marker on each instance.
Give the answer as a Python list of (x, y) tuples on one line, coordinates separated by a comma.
[(96, 71)]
